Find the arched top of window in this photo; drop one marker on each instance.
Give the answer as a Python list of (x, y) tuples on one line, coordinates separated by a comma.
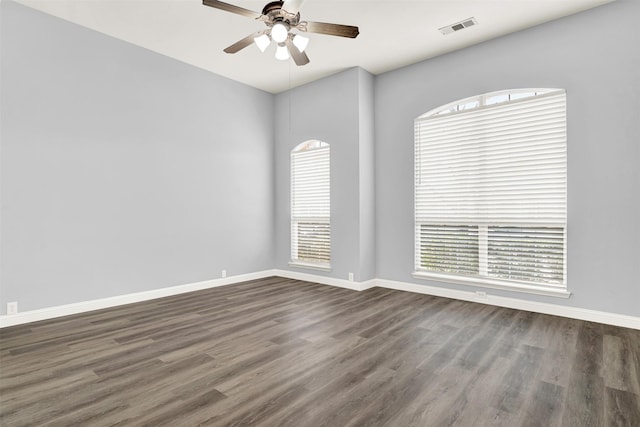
[(311, 144), (486, 100)]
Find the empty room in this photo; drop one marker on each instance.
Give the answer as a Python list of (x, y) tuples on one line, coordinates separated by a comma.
[(319, 213)]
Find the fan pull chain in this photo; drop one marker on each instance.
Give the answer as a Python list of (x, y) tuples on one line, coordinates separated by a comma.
[(289, 65)]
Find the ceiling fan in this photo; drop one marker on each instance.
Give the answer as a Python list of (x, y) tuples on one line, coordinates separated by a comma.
[(281, 17)]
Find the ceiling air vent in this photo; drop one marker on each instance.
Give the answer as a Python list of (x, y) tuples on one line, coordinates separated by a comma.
[(458, 26)]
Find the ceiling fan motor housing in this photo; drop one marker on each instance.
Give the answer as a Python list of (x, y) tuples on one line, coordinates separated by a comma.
[(276, 13)]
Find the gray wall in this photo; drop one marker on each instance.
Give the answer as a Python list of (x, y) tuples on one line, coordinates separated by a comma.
[(594, 56), (326, 110), (339, 111), (366, 178), (123, 170)]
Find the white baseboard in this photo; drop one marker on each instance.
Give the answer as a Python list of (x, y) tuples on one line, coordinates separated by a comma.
[(516, 303), (97, 304), (324, 280)]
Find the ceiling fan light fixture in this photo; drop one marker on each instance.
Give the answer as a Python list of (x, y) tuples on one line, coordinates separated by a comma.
[(282, 53), (262, 42), (279, 32), (300, 42), (280, 17)]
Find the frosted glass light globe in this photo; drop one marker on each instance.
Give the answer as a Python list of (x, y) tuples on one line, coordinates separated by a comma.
[(262, 42), (282, 53), (300, 42), (279, 33)]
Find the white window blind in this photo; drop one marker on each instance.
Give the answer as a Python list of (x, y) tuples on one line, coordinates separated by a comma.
[(310, 204), (490, 189)]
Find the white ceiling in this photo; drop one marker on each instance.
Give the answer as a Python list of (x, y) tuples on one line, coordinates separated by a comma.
[(393, 33)]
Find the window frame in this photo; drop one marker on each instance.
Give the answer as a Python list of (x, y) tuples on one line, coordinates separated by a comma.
[(462, 106), (313, 216)]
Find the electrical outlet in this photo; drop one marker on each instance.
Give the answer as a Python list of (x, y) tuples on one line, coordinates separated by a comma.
[(224, 273), (12, 307), (481, 296), (351, 277)]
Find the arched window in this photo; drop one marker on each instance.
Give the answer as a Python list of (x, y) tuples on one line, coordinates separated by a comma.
[(490, 191), (310, 205)]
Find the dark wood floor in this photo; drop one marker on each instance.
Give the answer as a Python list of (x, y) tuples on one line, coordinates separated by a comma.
[(279, 352)]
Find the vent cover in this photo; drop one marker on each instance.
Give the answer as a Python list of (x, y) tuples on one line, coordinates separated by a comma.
[(459, 26)]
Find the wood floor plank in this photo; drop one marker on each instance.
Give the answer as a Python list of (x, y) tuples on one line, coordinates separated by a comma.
[(283, 352), (545, 406), (518, 382), (560, 350), (621, 408), (472, 405), (584, 403)]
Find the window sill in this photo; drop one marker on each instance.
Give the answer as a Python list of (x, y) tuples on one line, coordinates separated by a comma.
[(310, 266), (495, 284)]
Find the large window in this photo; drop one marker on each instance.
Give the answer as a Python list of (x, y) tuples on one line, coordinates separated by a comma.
[(490, 191), (310, 205)]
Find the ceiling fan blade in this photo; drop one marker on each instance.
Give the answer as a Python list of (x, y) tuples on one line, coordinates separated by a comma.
[(330, 29), (292, 6), (300, 58), (241, 44), (231, 8)]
